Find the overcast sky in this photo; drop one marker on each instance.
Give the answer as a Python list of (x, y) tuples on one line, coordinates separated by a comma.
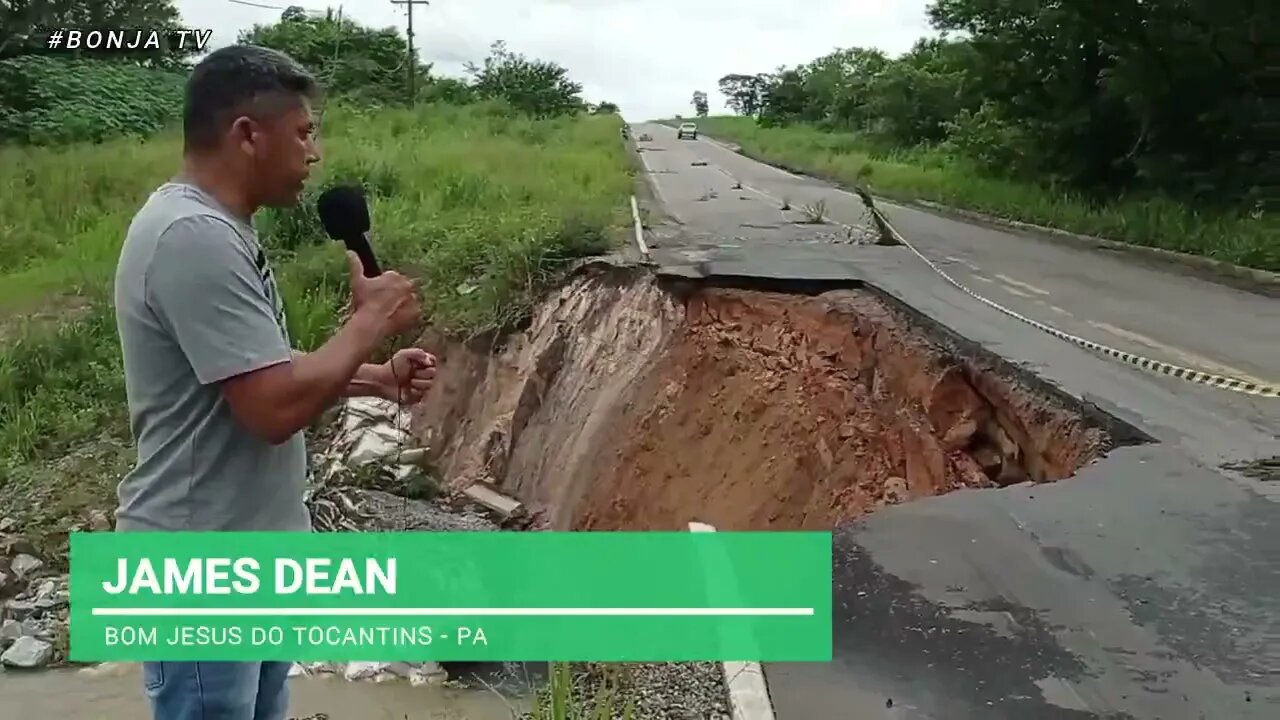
[(611, 46)]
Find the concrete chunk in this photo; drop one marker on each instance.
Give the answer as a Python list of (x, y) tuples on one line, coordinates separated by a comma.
[(505, 507)]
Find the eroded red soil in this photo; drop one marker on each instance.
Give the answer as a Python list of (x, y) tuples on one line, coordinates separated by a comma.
[(625, 407), (773, 411)]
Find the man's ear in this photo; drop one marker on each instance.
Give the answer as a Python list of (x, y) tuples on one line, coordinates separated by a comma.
[(245, 132)]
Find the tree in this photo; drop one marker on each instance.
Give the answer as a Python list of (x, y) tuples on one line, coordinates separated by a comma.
[(25, 25), (446, 90), (349, 59), (785, 99), (743, 93), (1124, 97), (913, 98), (700, 103), (606, 108), (537, 87), (1131, 92)]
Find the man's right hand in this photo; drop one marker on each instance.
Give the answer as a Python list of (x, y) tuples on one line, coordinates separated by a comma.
[(388, 298)]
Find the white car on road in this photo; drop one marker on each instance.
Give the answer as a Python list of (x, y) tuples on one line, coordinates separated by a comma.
[(689, 130)]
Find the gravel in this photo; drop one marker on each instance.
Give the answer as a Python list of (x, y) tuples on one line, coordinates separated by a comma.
[(681, 691), (33, 606)]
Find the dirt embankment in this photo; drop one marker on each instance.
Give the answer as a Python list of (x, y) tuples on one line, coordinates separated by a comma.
[(530, 416), (627, 406)]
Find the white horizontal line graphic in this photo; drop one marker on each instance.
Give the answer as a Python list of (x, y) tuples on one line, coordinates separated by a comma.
[(489, 612)]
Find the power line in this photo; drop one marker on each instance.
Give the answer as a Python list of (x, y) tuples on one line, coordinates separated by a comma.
[(413, 61), (257, 5), (310, 11)]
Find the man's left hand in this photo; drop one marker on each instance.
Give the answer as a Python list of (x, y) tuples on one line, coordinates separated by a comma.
[(407, 376)]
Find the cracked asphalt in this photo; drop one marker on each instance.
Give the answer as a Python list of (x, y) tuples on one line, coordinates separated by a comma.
[(1147, 586)]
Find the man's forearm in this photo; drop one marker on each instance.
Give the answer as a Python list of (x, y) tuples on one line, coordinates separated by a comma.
[(321, 377), (368, 380)]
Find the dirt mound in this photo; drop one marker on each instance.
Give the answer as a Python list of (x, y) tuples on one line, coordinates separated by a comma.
[(628, 406)]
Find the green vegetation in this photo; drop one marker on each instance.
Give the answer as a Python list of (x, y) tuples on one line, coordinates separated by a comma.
[(1139, 121), (482, 203), (58, 99), (484, 198), (49, 100), (594, 695), (25, 25)]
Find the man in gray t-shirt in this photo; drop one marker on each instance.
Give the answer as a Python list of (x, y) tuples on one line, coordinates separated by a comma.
[(197, 304), (218, 398)]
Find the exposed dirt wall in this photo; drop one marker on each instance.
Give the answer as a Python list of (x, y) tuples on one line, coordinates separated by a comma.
[(625, 406), (527, 416)]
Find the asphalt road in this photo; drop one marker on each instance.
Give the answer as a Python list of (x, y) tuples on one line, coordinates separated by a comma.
[(1148, 586)]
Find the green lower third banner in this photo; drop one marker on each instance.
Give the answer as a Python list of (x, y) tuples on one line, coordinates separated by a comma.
[(450, 596)]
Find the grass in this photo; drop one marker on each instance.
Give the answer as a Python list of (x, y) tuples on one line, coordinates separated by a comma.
[(936, 176), (596, 696), (483, 205)]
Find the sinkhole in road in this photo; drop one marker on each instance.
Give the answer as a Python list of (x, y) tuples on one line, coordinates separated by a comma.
[(636, 402)]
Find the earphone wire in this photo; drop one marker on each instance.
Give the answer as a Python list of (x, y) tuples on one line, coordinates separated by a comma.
[(401, 437)]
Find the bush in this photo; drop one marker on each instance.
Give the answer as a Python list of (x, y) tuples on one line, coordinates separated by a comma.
[(993, 143), (54, 100)]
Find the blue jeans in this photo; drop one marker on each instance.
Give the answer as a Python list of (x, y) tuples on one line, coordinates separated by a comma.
[(217, 690)]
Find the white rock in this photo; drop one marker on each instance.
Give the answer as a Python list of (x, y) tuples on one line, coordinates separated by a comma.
[(398, 669), (7, 524), (373, 446), (363, 670), (24, 564), (428, 673), (10, 630), (27, 652)]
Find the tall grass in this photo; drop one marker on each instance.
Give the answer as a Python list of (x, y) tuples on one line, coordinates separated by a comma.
[(483, 205), (945, 178)]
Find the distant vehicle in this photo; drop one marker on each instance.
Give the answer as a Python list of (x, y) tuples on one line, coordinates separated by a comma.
[(689, 130)]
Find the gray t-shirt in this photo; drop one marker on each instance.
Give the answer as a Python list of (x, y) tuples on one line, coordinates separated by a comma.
[(196, 303)]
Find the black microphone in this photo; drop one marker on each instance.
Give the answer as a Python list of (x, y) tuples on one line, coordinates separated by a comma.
[(345, 216)]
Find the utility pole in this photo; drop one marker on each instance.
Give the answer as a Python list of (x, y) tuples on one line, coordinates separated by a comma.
[(413, 60)]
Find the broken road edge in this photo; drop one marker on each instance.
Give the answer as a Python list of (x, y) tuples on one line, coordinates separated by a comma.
[(1255, 280)]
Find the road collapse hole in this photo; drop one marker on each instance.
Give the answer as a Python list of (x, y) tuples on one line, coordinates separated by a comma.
[(635, 403)]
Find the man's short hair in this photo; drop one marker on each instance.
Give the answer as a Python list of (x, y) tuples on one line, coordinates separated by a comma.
[(234, 80)]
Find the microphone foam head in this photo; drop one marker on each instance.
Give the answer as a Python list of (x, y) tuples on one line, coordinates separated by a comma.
[(343, 212)]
